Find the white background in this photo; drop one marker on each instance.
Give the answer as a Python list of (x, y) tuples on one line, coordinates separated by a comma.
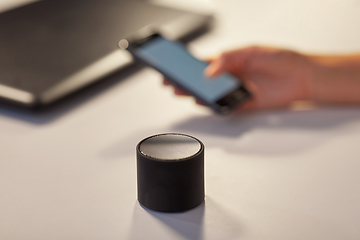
[(282, 174)]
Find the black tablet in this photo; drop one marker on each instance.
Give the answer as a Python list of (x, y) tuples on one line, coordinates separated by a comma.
[(49, 49)]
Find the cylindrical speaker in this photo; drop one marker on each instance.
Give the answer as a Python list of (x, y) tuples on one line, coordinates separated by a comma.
[(170, 172)]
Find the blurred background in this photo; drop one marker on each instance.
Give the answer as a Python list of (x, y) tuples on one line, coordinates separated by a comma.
[(50, 49)]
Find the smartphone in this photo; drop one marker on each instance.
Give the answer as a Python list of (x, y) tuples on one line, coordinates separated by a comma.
[(171, 58)]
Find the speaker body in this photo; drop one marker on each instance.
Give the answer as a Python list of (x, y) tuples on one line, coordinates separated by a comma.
[(170, 172)]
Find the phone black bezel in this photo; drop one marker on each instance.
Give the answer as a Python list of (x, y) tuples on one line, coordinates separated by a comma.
[(224, 105)]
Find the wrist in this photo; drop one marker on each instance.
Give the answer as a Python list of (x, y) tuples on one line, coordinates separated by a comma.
[(335, 79)]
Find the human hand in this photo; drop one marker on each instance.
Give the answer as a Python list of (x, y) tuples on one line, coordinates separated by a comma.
[(275, 77)]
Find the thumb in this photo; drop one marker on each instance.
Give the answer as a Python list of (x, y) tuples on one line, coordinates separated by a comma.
[(215, 68), (232, 61)]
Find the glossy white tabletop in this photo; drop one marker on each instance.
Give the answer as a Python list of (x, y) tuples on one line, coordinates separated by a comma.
[(278, 175)]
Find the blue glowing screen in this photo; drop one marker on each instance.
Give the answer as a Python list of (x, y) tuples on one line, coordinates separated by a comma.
[(173, 60)]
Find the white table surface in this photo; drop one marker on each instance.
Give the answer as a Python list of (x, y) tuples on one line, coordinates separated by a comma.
[(282, 174)]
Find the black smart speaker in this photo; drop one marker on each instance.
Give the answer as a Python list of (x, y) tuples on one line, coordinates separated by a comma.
[(170, 172)]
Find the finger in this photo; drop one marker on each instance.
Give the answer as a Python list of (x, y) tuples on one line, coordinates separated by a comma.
[(248, 105), (230, 61), (199, 102), (215, 67), (179, 92), (210, 59), (166, 82)]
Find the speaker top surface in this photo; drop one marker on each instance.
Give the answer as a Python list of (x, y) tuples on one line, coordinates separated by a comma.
[(170, 146)]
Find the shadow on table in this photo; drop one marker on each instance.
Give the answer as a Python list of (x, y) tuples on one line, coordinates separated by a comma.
[(236, 125), (272, 132), (148, 224), (67, 104)]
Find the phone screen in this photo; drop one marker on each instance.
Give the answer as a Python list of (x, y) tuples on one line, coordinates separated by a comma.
[(174, 61)]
